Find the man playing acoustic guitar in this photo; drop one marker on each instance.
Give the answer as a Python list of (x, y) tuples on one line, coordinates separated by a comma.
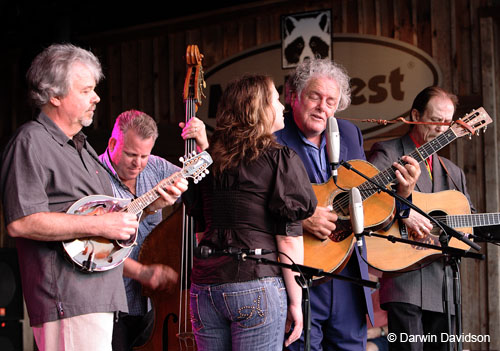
[(317, 90), (414, 300)]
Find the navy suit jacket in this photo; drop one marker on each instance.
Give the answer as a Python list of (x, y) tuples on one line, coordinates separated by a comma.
[(351, 148)]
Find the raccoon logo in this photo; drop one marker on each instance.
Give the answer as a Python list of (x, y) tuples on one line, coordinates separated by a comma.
[(305, 36)]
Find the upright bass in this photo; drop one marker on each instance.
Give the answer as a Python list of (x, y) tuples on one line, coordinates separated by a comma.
[(172, 243)]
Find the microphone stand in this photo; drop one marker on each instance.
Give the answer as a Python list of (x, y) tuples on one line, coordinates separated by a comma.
[(453, 255), (306, 273)]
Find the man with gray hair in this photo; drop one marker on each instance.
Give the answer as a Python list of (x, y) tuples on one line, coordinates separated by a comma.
[(315, 91), (46, 167), (135, 171)]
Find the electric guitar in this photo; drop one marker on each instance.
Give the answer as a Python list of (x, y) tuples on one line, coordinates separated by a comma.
[(449, 206), (332, 254), (95, 254)]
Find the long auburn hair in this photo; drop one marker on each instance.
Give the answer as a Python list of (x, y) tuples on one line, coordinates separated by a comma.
[(243, 124)]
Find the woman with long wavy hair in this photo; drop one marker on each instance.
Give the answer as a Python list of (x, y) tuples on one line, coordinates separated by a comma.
[(256, 196)]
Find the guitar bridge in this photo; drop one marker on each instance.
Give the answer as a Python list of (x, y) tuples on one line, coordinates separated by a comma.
[(403, 231)]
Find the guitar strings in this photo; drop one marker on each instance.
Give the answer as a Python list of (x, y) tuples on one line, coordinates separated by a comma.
[(387, 177)]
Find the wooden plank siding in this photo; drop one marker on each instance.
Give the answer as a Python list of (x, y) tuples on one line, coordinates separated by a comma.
[(144, 69)]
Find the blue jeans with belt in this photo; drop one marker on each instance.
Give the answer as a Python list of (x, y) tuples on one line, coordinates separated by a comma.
[(239, 316)]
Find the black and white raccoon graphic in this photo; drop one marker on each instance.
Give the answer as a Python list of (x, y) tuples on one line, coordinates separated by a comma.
[(306, 37)]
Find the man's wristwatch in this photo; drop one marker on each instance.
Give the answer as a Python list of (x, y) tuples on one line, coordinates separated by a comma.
[(382, 332)]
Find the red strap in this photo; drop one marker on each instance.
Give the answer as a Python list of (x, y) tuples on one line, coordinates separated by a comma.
[(465, 125)]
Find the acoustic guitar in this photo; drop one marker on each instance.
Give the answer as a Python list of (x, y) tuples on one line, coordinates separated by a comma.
[(96, 254), (332, 254), (450, 207)]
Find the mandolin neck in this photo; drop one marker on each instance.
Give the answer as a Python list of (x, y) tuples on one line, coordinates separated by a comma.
[(146, 199)]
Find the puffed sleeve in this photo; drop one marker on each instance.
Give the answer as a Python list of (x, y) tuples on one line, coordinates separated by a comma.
[(292, 199)]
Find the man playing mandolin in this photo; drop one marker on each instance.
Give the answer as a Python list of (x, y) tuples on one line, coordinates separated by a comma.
[(47, 166), (136, 171)]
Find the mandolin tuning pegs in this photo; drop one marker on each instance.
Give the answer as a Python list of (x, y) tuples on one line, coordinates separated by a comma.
[(181, 159)]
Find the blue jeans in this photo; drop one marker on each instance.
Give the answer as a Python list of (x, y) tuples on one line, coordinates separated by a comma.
[(239, 316), (338, 315)]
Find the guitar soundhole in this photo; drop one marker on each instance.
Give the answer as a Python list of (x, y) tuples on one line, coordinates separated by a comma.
[(340, 205), (433, 237), (440, 215)]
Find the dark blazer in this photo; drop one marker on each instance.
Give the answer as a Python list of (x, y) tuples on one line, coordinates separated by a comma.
[(423, 287), (351, 148)]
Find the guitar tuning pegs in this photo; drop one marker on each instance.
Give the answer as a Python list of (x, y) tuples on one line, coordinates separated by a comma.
[(470, 136)]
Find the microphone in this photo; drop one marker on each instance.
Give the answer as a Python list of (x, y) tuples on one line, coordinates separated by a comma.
[(357, 215), (206, 251), (333, 144)]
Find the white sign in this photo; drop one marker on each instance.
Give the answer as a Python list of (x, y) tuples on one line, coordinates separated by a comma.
[(386, 75)]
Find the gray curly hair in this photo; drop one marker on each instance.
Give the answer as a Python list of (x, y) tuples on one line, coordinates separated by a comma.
[(48, 75), (320, 68)]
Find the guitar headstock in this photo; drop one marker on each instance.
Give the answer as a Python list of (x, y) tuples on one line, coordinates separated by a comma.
[(195, 166), (471, 123), (194, 82)]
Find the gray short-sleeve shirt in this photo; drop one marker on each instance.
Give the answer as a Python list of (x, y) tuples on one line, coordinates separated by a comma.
[(42, 171)]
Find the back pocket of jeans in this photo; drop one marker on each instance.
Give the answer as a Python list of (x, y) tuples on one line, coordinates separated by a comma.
[(248, 308)]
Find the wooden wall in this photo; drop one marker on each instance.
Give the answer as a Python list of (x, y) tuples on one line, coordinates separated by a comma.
[(145, 69)]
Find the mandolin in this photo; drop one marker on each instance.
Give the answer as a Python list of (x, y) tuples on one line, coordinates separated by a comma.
[(96, 254), (332, 254)]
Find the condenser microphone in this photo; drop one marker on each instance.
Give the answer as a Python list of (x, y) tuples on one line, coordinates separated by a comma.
[(357, 215), (333, 144), (206, 251)]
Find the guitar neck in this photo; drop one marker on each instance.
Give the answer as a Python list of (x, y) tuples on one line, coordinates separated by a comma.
[(473, 220), (146, 199), (388, 175)]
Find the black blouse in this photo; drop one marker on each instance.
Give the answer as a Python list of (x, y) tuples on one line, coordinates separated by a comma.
[(245, 208)]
